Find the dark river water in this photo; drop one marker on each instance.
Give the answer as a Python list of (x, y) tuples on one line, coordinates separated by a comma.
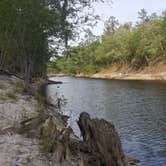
[(136, 108)]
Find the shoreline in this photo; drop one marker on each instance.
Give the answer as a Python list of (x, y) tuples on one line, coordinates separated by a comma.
[(156, 71), (41, 132), (119, 76), (132, 76)]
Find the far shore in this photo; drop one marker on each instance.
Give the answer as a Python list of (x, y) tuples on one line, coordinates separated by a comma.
[(118, 76), (155, 71), (122, 76)]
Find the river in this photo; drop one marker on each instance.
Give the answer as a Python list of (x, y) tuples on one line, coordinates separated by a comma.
[(136, 108)]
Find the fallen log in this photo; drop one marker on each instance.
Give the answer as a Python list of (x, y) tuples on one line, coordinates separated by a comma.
[(54, 82)]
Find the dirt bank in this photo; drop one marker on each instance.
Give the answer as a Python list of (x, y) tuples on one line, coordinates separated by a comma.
[(155, 71)]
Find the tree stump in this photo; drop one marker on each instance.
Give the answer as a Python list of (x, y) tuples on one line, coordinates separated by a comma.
[(102, 138)]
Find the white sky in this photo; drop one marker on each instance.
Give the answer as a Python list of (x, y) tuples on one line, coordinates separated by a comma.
[(126, 10)]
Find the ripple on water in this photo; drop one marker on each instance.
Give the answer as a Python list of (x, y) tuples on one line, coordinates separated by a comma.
[(137, 109)]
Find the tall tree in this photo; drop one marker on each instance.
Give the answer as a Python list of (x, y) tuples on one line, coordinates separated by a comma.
[(27, 26), (142, 15), (111, 25)]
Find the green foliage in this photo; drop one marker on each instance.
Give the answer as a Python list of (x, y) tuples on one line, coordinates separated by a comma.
[(26, 30), (47, 142), (81, 60), (3, 97), (19, 87), (7, 96), (48, 145), (11, 95), (41, 102), (135, 45)]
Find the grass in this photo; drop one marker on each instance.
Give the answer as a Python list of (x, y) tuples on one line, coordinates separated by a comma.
[(24, 114), (11, 96), (47, 142), (2, 86), (48, 145), (19, 87), (14, 123), (3, 97), (7, 96), (41, 102)]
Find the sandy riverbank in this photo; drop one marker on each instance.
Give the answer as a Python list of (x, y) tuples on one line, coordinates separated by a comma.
[(21, 126), (16, 149), (155, 71), (23, 118), (130, 76), (23, 147)]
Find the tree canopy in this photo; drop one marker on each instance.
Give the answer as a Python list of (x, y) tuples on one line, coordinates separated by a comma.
[(29, 29), (136, 45)]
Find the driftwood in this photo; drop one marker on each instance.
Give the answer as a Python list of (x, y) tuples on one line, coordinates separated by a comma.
[(50, 128), (100, 146), (54, 82)]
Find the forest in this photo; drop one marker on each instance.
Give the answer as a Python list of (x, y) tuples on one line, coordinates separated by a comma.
[(31, 32), (133, 44)]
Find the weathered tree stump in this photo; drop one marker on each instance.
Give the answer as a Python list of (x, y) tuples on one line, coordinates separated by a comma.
[(101, 145), (102, 138)]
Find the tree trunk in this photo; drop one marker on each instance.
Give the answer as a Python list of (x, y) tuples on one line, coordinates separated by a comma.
[(27, 76)]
